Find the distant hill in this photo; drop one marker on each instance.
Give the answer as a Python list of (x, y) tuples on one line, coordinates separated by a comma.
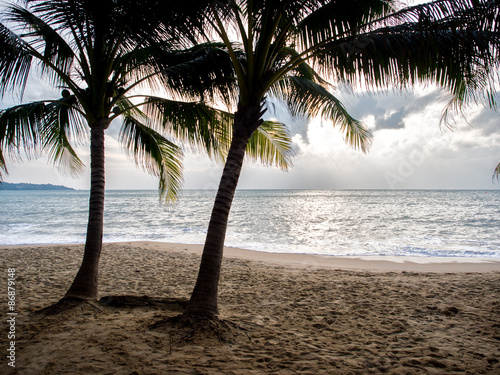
[(23, 186)]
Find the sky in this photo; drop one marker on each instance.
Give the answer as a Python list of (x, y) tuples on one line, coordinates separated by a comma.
[(410, 150)]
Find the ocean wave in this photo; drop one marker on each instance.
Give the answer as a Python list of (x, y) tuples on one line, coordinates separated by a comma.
[(330, 222)]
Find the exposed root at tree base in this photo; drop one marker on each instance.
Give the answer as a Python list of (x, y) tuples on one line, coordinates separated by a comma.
[(70, 306), (199, 330)]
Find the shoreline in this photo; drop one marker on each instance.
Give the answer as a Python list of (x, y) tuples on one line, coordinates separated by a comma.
[(376, 263)]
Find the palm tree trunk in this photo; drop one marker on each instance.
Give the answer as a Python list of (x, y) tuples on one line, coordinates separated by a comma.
[(203, 301), (86, 281)]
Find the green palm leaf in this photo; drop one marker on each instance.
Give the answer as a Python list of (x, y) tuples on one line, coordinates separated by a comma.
[(203, 71), (3, 166), (155, 154), (386, 58), (271, 144)]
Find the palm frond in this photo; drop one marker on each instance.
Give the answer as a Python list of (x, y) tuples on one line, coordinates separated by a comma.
[(3, 166), (305, 97), (125, 106), (210, 129), (30, 128), (202, 126), (20, 129), (15, 63), (478, 88), (55, 53), (62, 124), (331, 20), (473, 13), (155, 154), (455, 45), (406, 57), (496, 173), (179, 22), (204, 71), (271, 144)]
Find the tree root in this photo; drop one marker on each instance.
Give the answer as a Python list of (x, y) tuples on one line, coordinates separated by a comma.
[(199, 330), (70, 305)]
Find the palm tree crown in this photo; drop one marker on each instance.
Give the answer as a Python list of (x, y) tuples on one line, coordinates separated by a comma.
[(98, 58)]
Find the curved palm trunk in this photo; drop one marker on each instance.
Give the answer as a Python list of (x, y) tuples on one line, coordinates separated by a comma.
[(85, 283), (203, 301)]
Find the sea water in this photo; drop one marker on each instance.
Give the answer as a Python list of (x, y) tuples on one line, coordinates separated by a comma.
[(450, 223)]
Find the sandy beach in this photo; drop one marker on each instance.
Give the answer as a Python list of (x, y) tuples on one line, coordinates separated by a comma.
[(294, 314)]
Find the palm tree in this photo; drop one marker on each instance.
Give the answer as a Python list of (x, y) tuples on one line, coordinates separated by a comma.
[(292, 49), (100, 56)]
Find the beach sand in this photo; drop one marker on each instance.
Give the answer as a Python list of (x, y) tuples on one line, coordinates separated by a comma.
[(296, 314)]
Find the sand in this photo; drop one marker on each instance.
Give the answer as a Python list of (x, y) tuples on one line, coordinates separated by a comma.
[(296, 314)]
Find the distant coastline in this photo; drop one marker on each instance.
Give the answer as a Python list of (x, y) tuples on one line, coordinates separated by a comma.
[(25, 186)]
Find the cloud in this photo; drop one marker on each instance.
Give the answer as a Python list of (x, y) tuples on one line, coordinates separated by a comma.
[(390, 110), (484, 119), (394, 120)]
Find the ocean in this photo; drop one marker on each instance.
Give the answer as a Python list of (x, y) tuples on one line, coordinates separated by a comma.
[(444, 223)]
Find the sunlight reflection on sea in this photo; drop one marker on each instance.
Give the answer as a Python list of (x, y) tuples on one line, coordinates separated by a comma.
[(335, 222)]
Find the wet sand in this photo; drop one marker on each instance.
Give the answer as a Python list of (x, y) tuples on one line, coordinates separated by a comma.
[(297, 314)]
